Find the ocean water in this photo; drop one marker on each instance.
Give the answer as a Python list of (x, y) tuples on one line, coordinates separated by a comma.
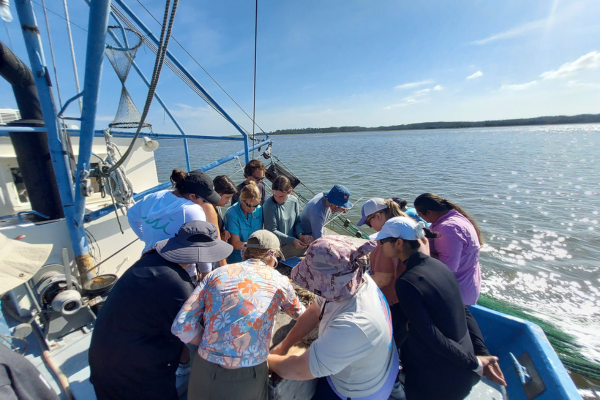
[(535, 192)]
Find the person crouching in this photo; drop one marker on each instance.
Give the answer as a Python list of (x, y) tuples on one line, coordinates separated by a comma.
[(354, 355)]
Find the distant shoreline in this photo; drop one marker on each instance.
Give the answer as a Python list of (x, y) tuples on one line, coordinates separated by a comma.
[(557, 120)]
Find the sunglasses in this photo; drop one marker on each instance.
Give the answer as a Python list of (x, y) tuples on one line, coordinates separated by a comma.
[(386, 240), (249, 205), (258, 180), (368, 220)]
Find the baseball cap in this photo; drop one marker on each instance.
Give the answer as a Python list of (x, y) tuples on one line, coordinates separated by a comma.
[(338, 195), (371, 206), (196, 241), (400, 227), (199, 183), (263, 239)]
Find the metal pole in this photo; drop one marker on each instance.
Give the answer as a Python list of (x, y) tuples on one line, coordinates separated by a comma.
[(58, 153), (149, 33), (97, 26)]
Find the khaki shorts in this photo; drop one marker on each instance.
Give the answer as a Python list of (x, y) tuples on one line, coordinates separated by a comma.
[(209, 381)]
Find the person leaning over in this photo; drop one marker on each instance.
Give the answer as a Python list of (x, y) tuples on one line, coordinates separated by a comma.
[(354, 355), (133, 354), (255, 172), (226, 189), (244, 218), (319, 208), (458, 244), (281, 214), (230, 316), (437, 351)]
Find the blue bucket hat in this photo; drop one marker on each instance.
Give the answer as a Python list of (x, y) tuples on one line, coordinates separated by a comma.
[(339, 196)]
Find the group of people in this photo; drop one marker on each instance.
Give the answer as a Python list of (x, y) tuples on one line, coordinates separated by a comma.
[(211, 283)]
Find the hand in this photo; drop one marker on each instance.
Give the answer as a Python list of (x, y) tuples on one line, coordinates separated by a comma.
[(226, 236), (279, 350), (307, 239), (491, 369), (299, 244)]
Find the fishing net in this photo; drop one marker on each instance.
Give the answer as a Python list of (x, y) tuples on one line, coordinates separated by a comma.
[(564, 344), (121, 48)]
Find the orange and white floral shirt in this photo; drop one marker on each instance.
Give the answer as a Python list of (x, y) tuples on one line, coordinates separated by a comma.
[(236, 304)]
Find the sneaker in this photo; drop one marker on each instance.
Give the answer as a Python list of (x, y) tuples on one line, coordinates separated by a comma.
[(183, 369)]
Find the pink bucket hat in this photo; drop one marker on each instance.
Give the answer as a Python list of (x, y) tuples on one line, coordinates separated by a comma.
[(332, 268)]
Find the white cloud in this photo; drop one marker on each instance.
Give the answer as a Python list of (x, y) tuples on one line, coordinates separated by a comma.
[(475, 75), (516, 31), (438, 87), (516, 87), (407, 101), (422, 91), (586, 85), (589, 61), (411, 85), (187, 111)]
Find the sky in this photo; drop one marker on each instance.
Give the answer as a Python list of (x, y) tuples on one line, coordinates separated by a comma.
[(349, 63)]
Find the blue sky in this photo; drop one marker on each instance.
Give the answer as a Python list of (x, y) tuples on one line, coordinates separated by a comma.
[(367, 63)]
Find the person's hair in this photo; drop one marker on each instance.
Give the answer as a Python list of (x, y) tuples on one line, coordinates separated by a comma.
[(224, 185), (433, 202), (252, 166), (415, 244), (401, 203), (250, 192), (282, 184), (393, 209), (178, 178), (257, 254)]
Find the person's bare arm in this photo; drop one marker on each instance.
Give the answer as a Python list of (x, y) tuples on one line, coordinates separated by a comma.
[(292, 367), (236, 242), (307, 321), (382, 279)]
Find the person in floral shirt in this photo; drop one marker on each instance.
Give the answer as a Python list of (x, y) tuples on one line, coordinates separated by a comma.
[(230, 316)]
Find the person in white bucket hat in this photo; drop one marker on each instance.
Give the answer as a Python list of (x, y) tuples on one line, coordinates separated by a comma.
[(442, 354)]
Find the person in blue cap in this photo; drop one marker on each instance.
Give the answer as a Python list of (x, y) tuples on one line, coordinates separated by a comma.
[(317, 211)]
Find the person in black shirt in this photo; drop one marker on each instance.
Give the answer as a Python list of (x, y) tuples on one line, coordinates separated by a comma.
[(437, 351), (255, 172), (133, 354)]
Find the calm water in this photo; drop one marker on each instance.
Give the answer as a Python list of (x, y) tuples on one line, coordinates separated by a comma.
[(533, 190)]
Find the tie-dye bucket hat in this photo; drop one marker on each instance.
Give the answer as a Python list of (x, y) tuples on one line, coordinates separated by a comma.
[(332, 268)]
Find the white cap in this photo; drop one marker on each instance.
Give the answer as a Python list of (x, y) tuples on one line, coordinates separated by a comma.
[(371, 206), (400, 227)]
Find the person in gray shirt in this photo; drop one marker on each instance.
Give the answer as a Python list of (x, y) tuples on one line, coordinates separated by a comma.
[(317, 211), (281, 214)]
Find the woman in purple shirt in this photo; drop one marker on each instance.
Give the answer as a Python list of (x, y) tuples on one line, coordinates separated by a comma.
[(459, 242)]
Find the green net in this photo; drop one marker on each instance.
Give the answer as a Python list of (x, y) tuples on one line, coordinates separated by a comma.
[(563, 343)]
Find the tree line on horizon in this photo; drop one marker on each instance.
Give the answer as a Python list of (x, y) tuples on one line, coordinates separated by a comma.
[(556, 120)]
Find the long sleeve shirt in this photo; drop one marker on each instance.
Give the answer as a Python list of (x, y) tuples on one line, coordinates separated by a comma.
[(314, 216), (458, 248), (234, 309), (283, 219)]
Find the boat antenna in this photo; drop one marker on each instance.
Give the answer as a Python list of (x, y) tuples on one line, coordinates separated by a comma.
[(72, 53), (52, 53), (163, 44), (255, 45)]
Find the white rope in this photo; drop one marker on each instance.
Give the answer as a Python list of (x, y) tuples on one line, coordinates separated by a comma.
[(118, 185), (241, 168), (73, 53)]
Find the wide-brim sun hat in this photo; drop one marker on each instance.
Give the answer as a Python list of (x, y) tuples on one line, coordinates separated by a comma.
[(370, 207), (332, 267), (196, 241), (339, 196), (19, 261), (400, 227), (266, 240)]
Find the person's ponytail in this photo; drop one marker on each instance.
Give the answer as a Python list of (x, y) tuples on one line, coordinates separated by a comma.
[(178, 180)]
